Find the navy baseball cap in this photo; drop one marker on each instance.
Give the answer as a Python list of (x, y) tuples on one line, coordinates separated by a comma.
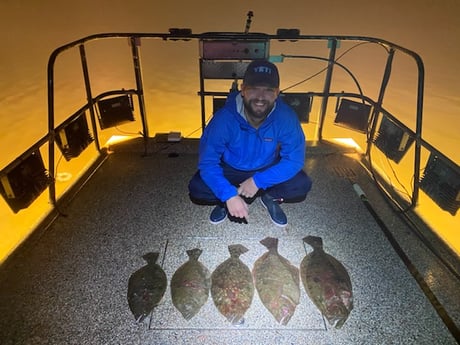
[(262, 72)]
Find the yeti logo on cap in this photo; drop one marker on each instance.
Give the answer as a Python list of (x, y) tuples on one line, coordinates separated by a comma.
[(262, 72), (263, 69)]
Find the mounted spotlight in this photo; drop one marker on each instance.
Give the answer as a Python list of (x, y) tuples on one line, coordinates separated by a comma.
[(291, 34), (353, 115), (393, 140), (23, 181), (441, 182), (73, 137), (300, 102), (115, 111), (180, 32)]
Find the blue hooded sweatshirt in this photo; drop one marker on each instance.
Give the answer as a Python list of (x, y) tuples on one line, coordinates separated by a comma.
[(279, 144)]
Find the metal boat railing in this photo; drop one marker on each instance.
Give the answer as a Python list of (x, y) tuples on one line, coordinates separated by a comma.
[(184, 34), (325, 94)]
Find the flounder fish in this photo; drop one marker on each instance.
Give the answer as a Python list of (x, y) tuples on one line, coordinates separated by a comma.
[(277, 282), (232, 288), (190, 285), (146, 287), (327, 283)]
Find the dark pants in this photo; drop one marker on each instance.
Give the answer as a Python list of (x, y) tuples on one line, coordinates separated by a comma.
[(292, 190)]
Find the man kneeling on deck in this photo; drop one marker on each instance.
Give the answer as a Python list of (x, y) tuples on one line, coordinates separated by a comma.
[(253, 146)]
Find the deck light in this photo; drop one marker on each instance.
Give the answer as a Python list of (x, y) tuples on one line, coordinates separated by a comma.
[(73, 137), (392, 140), (24, 180), (353, 115), (441, 182), (115, 111)]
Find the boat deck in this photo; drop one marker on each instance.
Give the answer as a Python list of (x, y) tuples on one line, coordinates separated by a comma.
[(68, 283)]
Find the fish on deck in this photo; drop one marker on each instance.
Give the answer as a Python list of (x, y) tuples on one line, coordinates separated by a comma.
[(327, 283), (232, 287), (190, 285), (277, 282), (146, 287)]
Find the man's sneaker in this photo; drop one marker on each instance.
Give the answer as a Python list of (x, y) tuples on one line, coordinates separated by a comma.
[(274, 210), (218, 214)]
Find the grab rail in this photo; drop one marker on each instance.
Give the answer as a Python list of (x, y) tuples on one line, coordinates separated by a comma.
[(178, 34)]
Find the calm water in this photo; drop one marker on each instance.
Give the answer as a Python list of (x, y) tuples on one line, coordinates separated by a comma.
[(32, 30)]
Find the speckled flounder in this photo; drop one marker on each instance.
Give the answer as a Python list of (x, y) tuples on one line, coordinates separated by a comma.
[(277, 282), (232, 288), (146, 287), (190, 285), (327, 283)]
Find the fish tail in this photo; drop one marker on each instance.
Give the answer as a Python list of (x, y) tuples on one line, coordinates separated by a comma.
[(194, 253), (151, 258), (141, 318), (314, 241), (236, 250), (270, 243)]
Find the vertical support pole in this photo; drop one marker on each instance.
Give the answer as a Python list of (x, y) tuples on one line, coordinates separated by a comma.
[(89, 95), (203, 110), (378, 106), (135, 43), (51, 131), (327, 86), (418, 129)]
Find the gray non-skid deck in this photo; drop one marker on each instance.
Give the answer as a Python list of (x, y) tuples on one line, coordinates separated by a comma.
[(69, 285)]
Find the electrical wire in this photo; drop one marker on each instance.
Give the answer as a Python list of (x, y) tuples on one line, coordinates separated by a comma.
[(335, 62), (402, 191), (325, 59)]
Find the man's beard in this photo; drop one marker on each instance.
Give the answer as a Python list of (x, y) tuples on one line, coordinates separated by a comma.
[(253, 111)]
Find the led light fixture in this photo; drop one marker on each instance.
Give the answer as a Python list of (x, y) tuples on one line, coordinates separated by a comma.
[(441, 182), (353, 115), (115, 111), (393, 140), (23, 181), (73, 137), (300, 102)]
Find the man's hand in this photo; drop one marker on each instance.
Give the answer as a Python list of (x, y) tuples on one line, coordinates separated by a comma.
[(248, 188), (237, 207)]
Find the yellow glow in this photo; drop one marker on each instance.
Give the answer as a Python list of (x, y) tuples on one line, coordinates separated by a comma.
[(116, 139), (347, 142), (441, 222), (17, 227), (445, 225)]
